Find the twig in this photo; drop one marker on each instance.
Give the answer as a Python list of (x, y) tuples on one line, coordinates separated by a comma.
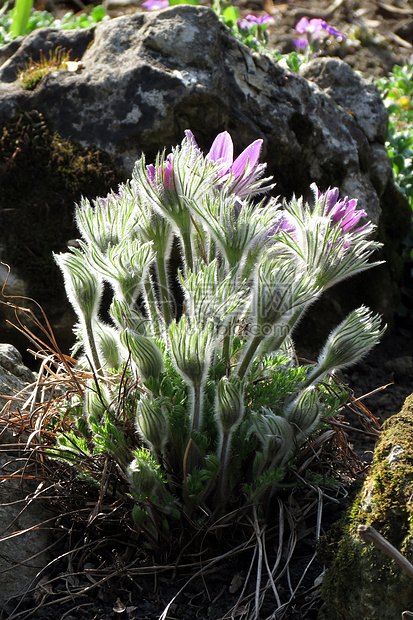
[(369, 534)]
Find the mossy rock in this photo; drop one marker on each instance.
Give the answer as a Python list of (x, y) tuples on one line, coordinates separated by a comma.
[(42, 176), (362, 583)]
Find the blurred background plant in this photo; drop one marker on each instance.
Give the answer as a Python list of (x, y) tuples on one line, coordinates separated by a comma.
[(396, 90), (22, 20)]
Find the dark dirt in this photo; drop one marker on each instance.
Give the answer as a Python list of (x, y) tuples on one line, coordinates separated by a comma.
[(380, 34)]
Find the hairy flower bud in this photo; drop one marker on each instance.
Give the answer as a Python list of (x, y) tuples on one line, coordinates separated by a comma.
[(275, 434), (143, 476), (348, 342), (190, 347), (83, 287), (145, 353), (152, 422), (305, 411), (109, 346), (230, 403)]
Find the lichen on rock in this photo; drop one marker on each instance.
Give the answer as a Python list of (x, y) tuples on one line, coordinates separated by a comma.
[(362, 583)]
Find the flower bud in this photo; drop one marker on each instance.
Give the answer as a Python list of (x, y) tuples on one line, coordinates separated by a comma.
[(349, 341), (145, 353), (143, 476), (152, 422), (305, 411), (109, 346), (230, 403), (83, 287), (275, 434)]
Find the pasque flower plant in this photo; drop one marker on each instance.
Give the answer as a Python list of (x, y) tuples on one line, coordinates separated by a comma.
[(207, 285)]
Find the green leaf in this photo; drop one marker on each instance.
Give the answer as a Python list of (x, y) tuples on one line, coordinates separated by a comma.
[(230, 14), (21, 15)]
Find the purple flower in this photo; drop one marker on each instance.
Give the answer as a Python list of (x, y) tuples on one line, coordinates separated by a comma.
[(244, 171), (155, 5), (335, 33), (282, 224), (314, 26), (261, 21), (165, 174), (243, 25), (300, 44), (342, 212)]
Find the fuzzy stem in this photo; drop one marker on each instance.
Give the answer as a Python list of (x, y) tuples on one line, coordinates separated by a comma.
[(151, 309), (226, 351), (163, 285), (92, 345), (196, 417), (246, 360), (186, 240), (224, 452)]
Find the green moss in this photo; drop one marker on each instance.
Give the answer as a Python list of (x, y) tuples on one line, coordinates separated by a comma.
[(34, 72), (42, 177), (378, 587)]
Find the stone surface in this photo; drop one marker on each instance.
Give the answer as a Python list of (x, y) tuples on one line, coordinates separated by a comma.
[(145, 78), (363, 582), (22, 554)]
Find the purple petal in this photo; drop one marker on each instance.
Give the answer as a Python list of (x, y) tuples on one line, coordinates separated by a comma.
[(222, 150), (151, 172), (252, 18), (242, 24), (264, 19), (248, 159), (168, 174), (316, 25), (300, 44), (335, 33), (332, 197), (155, 5), (190, 136), (303, 25)]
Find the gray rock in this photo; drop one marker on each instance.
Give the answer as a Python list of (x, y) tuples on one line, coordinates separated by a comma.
[(23, 545), (147, 77), (14, 375), (24, 535)]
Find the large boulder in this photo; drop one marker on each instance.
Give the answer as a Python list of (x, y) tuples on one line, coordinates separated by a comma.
[(362, 582), (143, 79)]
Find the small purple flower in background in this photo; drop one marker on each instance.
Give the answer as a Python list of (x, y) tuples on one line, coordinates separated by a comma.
[(314, 26), (316, 31), (300, 44), (155, 5), (253, 26), (261, 21), (335, 33)]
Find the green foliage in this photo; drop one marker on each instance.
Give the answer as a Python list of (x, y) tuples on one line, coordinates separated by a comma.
[(21, 13), (292, 61), (22, 20), (208, 406), (397, 91)]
